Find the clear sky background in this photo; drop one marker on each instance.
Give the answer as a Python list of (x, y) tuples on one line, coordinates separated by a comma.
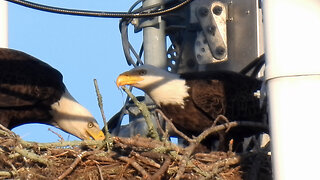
[(81, 48)]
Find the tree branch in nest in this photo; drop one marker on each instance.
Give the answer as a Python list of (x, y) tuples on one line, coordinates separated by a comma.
[(32, 156), (7, 174), (42, 146), (145, 112), (145, 160), (74, 164), (61, 138), (163, 168), (108, 139), (181, 134), (134, 164)]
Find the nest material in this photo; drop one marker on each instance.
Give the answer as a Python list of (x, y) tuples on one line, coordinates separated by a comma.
[(130, 158)]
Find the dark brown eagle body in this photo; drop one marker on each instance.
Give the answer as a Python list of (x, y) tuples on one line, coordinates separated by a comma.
[(212, 94)]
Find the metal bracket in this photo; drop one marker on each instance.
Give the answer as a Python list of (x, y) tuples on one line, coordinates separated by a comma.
[(140, 23), (211, 42)]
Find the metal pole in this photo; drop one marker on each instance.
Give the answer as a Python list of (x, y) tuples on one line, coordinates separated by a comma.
[(3, 24), (293, 80), (154, 39)]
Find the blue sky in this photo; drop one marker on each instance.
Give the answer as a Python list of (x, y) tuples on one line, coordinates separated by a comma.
[(81, 48)]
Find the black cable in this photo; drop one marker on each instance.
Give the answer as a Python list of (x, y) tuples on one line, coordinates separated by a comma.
[(252, 64), (258, 67), (125, 42), (134, 5), (96, 13), (139, 61)]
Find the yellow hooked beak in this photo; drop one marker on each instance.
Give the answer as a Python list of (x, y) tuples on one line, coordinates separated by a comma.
[(95, 133), (128, 78)]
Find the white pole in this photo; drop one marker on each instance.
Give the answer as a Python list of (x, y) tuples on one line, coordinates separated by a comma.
[(3, 24), (292, 37)]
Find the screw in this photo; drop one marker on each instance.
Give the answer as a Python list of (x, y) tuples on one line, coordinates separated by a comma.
[(220, 51), (211, 30), (203, 11), (217, 10)]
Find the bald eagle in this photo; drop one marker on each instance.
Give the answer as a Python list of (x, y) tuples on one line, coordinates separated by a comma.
[(31, 91), (193, 100)]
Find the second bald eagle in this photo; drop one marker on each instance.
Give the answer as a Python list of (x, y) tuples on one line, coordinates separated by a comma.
[(31, 91)]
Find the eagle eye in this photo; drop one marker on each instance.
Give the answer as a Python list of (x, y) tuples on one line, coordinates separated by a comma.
[(90, 125), (142, 72)]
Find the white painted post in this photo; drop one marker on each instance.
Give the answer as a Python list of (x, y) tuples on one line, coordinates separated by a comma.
[(3, 24), (292, 36)]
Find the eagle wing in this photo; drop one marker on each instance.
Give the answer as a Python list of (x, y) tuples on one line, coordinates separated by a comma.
[(209, 97), (25, 80), (224, 92)]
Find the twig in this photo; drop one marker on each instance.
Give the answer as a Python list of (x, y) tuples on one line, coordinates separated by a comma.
[(145, 160), (74, 164), (134, 164), (147, 143), (182, 167), (196, 141), (163, 133), (12, 166), (230, 146), (6, 131), (181, 134), (27, 144), (163, 168), (100, 172), (32, 156), (223, 163), (120, 175), (221, 118), (61, 138), (108, 139), (145, 112), (7, 174), (227, 161), (216, 128)]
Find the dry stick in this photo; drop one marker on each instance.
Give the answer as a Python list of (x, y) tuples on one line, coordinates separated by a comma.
[(74, 164), (184, 161), (7, 174), (100, 172), (108, 139), (145, 160), (120, 175), (163, 133), (181, 134), (146, 143), (145, 112), (42, 146), (163, 168), (6, 131), (193, 144), (216, 128), (223, 163), (134, 164), (61, 138), (32, 156)]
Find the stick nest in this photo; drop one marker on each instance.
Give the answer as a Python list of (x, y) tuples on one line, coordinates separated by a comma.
[(130, 158)]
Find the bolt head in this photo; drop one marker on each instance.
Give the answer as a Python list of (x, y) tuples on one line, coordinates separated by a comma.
[(220, 51), (217, 10), (203, 11)]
